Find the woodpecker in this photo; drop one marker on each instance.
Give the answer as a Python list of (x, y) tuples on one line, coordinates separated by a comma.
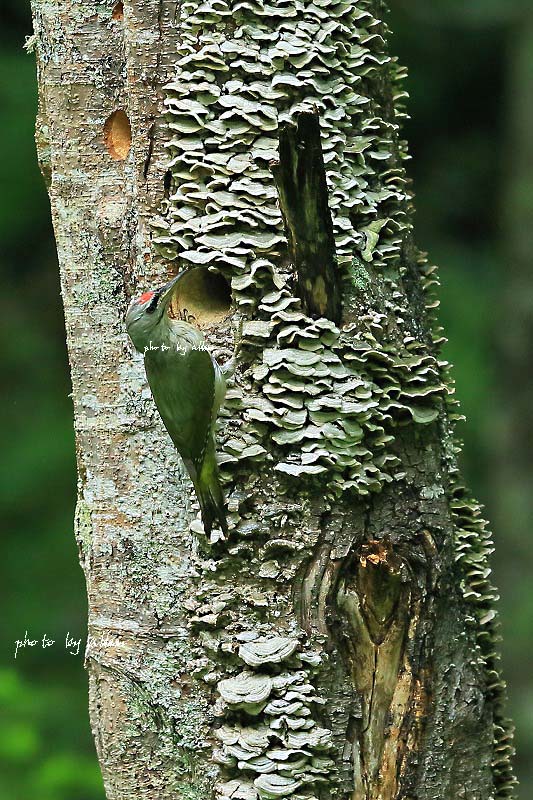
[(188, 388)]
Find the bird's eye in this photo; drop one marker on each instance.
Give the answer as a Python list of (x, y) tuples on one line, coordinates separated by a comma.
[(153, 305)]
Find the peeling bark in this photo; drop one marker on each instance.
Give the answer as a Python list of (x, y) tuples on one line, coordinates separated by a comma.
[(339, 643), (300, 177)]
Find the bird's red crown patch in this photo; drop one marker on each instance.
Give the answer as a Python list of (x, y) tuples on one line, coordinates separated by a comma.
[(145, 297)]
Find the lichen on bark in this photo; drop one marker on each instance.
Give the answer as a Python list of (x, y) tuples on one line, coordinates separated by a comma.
[(339, 643)]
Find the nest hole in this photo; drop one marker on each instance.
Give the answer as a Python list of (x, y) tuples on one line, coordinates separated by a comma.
[(117, 135), (118, 11), (202, 298)]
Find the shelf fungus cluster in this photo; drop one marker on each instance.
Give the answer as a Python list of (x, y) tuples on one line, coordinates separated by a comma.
[(473, 542), (330, 404), (325, 400), (270, 743), (321, 413), (244, 68)]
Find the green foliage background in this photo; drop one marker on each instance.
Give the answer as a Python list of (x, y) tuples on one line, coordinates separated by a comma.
[(459, 53)]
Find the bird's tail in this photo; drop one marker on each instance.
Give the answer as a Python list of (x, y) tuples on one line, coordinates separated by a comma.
[(209, 493)]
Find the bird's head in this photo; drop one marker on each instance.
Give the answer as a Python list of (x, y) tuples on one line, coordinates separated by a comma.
[(146, 312)]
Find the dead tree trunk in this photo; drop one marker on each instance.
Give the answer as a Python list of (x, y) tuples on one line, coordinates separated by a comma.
[(339, 643)]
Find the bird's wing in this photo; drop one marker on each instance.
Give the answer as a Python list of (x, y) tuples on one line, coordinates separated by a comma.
[(183, 387)]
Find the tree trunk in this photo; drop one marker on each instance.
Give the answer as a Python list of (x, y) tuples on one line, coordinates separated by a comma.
[(339, 642)]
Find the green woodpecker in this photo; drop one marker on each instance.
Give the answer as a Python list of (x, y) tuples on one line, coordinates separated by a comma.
[(188, 388)]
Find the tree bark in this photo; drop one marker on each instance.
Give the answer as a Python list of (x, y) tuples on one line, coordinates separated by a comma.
[(339, 643)]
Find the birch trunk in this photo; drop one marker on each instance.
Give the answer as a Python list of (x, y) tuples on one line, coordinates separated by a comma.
[(339, 643)]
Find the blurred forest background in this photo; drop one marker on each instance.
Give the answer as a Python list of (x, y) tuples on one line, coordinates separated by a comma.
[(471, 138)]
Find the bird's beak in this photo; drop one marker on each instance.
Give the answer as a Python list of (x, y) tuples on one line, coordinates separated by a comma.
[(167, 291)]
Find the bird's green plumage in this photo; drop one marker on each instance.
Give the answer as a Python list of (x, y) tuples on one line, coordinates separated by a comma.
[(183, 388), (188, 389)]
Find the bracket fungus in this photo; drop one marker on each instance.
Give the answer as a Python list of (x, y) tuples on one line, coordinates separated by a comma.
[(267, 651), (247, 691), (272, 786)]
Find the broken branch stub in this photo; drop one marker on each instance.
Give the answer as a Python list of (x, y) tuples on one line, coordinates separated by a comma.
[(300, 178)]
